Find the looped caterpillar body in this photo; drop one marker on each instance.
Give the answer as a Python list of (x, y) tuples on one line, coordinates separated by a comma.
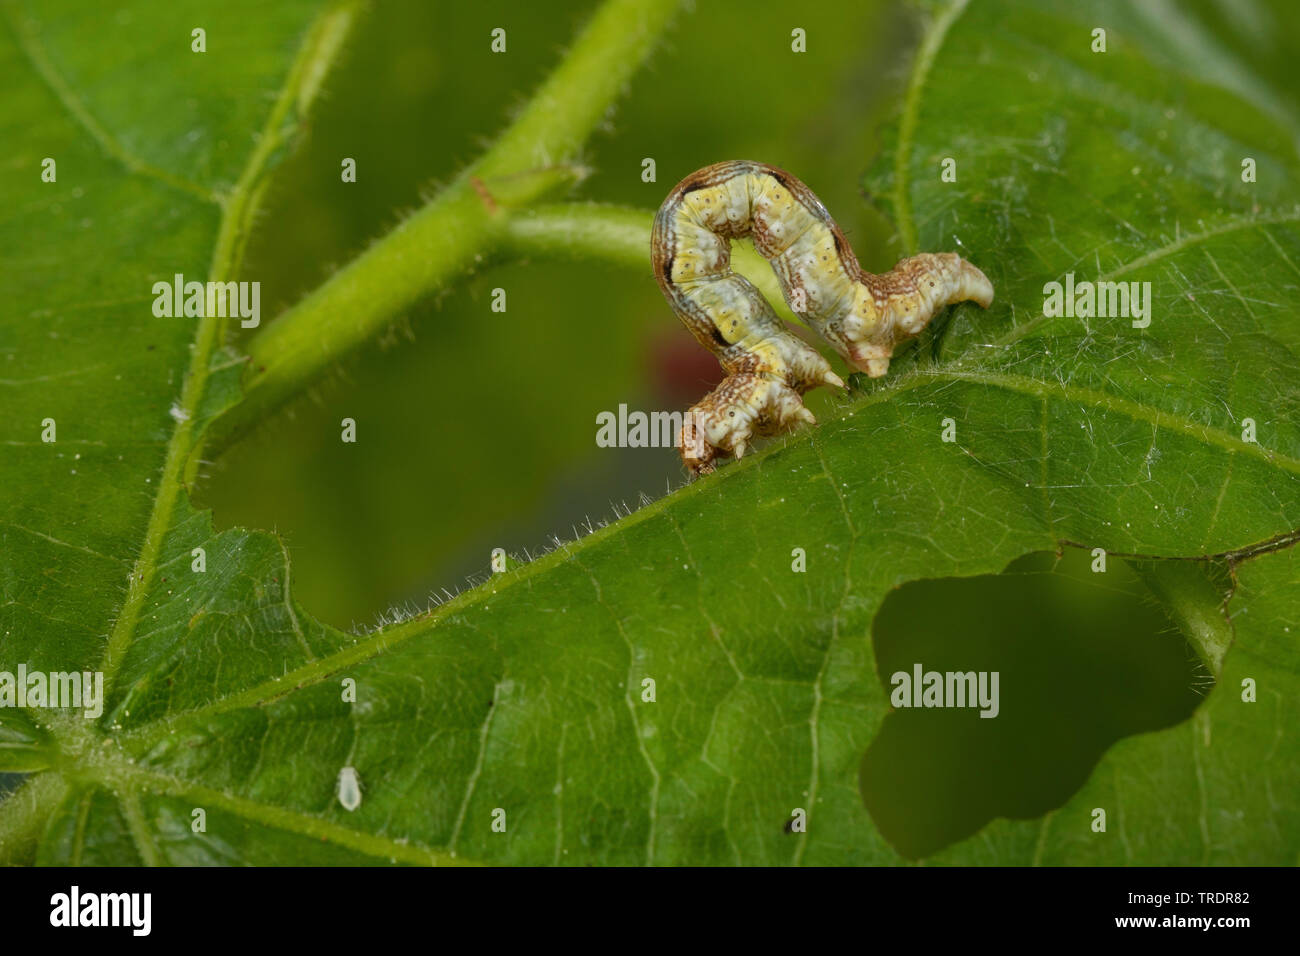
[(863, 316)]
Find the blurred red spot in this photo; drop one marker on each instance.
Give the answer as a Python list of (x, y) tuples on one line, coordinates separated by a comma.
[(680, 371)]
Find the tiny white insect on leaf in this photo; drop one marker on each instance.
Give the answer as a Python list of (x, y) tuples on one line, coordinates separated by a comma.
[(349, 789)]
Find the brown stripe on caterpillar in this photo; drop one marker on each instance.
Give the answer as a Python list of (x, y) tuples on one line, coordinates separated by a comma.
[(862, 316), (665, 267)]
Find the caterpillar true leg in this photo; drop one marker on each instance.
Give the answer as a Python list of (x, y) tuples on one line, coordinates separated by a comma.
[(862, 316)]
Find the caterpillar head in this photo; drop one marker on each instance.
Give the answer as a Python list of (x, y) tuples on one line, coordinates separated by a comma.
[(726, 420), (698, 455)]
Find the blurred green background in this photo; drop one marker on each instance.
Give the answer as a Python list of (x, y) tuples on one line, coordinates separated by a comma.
[(476, 430)]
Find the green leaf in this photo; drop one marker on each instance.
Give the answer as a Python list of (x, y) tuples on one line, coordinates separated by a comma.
[(523, 700), (161, 155)]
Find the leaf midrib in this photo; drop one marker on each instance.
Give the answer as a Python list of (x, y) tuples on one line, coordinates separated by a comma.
[(128, 780), (323, 37), (320, 43)]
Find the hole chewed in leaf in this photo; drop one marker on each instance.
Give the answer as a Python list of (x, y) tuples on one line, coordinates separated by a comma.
[(1082, 659)]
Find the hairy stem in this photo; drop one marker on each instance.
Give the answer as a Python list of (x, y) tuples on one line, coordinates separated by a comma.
[(458, 227)]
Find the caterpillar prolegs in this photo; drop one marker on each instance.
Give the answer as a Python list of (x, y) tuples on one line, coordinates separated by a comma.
[(768, 368)]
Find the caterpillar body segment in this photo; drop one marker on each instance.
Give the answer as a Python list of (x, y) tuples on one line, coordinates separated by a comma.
[(768, 368)]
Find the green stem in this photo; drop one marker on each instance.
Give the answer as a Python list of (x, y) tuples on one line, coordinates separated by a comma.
[(456, 229), (619, 235)]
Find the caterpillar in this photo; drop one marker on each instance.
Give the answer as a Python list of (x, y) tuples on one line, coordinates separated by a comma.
[(768, 368)]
